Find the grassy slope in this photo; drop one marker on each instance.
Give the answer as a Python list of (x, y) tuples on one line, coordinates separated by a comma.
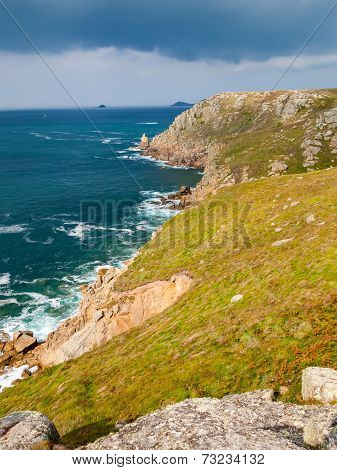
[(257, 142), (205, 345)]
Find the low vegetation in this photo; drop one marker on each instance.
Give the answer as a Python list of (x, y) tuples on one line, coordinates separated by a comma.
[(208, 345)]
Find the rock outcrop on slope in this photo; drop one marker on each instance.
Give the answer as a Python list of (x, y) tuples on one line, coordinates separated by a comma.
[(319, 384), (26, 430), (18, 351), (253, 420), (104, 312), (246, 421), (238, 137)]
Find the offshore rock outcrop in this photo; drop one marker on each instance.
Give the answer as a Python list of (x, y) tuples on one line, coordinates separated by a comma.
[(245, 421), (105, 313), (238, 137)]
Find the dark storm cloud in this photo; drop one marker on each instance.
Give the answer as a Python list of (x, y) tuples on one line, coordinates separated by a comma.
[(184, 29)]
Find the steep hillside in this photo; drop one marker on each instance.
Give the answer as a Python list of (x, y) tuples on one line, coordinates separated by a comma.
[(242, 136), (262, 306)]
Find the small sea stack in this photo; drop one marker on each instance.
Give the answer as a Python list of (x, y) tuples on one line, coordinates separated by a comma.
[(144, 142)]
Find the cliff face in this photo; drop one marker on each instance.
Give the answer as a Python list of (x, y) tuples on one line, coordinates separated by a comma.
[(235, 137), (104, 313), (238, 137)]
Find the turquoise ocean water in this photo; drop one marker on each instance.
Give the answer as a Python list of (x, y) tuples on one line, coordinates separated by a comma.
[(73, 197)]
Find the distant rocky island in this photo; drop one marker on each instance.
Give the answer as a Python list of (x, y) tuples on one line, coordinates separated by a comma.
[(181, 104), (101, 106)]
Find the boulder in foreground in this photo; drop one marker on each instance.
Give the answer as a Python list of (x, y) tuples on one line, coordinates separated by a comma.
[(246, 421), (27, 430), (319, 384)]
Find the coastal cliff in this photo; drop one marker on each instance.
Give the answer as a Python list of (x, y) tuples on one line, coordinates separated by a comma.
[(235, 138), (235, 293), (104, 313), (239, 137)]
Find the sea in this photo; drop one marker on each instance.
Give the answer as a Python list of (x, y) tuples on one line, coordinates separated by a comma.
[(75, 194)]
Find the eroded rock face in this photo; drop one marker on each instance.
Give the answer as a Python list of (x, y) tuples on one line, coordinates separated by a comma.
[(319, 384), (289, 103), (187, 142), (19, 351), (203, 136), (24, 343), (246, 421), (327, 118), (27, 430), (144, 142), (105, 313), (277, 168)]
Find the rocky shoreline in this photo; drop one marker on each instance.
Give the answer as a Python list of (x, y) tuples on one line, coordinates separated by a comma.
[(18, 352), (252, 420), (198, 138), (95, 323), (103, 313)]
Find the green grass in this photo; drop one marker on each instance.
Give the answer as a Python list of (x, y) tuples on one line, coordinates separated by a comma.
[(205, 345)]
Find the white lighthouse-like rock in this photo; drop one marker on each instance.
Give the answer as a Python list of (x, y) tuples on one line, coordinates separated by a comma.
[(144, 141)]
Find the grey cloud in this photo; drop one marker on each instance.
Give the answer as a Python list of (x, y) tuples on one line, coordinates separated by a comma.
[(121, 78), (184, 29)]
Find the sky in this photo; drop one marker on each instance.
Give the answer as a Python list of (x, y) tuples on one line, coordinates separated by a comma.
[(155, 52)]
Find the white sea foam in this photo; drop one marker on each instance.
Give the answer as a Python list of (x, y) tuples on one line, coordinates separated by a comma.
[(153, 212), (149, 158), (5, 279), (77, 232), (127, 157), (60, 132), (164, 163), (115, 229), (49, 240), (81, 229), (152, 194), (40, 299), (40, 136), (39, 280), (143, 158), (10, 375), (13, 228), (147, 123), (108, 132), (36, 315), (10, 301)]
